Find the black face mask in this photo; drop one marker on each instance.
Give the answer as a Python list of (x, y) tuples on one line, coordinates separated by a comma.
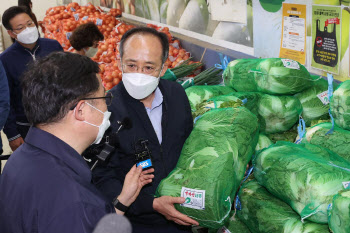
[(326, 47)]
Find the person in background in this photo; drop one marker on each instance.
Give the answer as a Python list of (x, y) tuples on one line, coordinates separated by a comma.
[(161, 120), (85, 39), (46, 184), (4, 101), (29, 5), (27, 48)]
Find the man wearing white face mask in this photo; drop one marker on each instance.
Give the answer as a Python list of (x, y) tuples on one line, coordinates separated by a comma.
[(46, 184), (85, 39), (161, 114), (27, 48)]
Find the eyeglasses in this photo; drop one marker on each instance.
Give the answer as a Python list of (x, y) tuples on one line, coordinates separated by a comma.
[(132, 68), (108, 98), (21, 28)]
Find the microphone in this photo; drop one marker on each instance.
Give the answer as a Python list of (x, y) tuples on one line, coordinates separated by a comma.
[(113, 223), (126, 123)]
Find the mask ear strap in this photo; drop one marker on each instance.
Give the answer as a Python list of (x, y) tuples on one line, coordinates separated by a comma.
[(161, 70)]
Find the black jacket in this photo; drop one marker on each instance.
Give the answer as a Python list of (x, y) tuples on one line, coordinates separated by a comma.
[(176, 126)]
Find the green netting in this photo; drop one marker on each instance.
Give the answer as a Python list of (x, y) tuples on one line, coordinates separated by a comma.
[(282, 76), (238, 76), (338, 141), (263, 142), (305, 176), (234, 225), (199, 94), (339, 213), (288, 136), (221, 101), (232, 100), (264, 213), (214, 159), (252, 100), (272, 76), (278, 113), (313, 107), (340, 105)]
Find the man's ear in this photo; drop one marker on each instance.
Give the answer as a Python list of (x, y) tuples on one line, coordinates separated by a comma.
[(79, 111), (119, 63), (13, 35)]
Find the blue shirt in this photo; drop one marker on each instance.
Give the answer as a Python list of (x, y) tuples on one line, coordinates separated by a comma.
[(4, 99), (155, 113), (46, 187), (16, 59)]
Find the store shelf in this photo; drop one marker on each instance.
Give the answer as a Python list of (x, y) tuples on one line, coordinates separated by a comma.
[(228, 48)]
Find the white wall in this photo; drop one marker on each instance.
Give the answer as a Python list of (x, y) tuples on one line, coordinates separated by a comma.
[(39, 9)]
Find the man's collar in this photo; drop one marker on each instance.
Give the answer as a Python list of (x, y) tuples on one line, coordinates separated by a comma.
[(18, 45), (158, 98), (59, 149)]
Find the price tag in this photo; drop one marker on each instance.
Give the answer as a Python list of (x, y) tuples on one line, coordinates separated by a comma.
[(194, 198), (346, 184), (324, 97), (288, 63)]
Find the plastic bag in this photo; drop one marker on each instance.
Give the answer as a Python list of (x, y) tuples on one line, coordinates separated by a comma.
[(339, 213), (212, 164), (303, 175), (264, 213)]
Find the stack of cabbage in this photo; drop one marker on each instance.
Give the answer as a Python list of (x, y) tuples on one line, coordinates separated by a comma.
[(275, 76), (262, 212), (276, 114), (304, 176), (214, 158)]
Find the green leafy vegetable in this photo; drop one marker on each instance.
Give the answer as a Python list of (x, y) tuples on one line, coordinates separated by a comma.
[(214, 159), (287, 136), (263, 142), (304, 176), (338, 141), (221, 101), (199, 94), (340, 105), (264, 213), (282, 76), (272, 76), (234, 225), (238, 76), (313, 107), (278, 113), (339, 213)]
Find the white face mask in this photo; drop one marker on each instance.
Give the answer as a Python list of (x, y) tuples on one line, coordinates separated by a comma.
[(140, 85), (104, 125), (28, 36), (91, 52)]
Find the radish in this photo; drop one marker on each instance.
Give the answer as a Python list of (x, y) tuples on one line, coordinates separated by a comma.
[(163, 7), (195, 17), (174, 11)]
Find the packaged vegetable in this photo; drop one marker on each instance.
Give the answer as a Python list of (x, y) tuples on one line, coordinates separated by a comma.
[(264, 213), (212, 164), (304, 176)]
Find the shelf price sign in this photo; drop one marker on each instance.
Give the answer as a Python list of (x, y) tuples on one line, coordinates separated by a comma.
[(293, 39)]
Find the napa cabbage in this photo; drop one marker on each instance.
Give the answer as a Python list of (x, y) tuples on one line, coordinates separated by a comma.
[(305, 176)]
